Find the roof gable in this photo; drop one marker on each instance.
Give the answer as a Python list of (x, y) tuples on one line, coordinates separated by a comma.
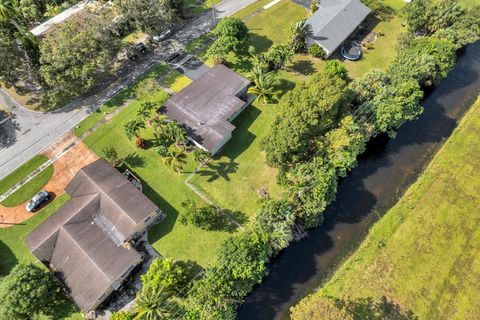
[(335, 20), (205, 106)]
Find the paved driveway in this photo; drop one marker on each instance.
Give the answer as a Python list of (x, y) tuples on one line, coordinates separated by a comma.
[(29, 133), (64, 169)]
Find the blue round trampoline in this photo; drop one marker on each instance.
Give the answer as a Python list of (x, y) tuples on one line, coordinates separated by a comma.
[(351, 52)]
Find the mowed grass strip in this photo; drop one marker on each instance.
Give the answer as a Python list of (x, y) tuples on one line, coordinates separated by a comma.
[(162, 185), (29, 189), (21, 173), (424, 254)]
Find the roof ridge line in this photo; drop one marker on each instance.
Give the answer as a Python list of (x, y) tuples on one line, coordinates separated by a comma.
[(88, 256), (107, 195), (66, 222), (343, 8)]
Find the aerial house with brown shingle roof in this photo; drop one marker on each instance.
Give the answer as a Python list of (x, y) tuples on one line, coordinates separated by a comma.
[(208, 105), (86, 242)]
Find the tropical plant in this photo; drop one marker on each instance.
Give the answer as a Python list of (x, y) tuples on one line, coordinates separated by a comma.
[(26, 292), (316, 51), (263, 84), (145, 111), (278, 56), (8, 10), (110, 154), (175, 133), (336, 68), (166, 274), (159, 124), (300, 31), (175, 158), (153, 304), (204, 217), (200, 155), (132, 130)]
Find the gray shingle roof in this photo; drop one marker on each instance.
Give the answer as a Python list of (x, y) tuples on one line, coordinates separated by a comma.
[(335, 20), (80, 241), (205, 105)]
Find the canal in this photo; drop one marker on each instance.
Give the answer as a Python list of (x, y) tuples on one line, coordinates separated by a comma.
[(385, 171)]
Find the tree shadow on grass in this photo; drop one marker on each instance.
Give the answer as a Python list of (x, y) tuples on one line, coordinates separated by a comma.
[(242, 137), (218, 169), (368, 308), (7, 259), (135, 160), (261, 43), (283, 86), (304, 67)]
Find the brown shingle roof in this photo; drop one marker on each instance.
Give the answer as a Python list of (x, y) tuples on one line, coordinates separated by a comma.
[(80, 242), (205, 106)]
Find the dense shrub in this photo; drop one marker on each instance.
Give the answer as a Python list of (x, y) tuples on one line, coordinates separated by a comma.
[(316, 51), (336, 68), (204, 217), (26, 292), (307, 111), (241, 263)]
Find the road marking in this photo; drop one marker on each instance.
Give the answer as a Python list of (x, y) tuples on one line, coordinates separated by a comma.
[(271, 4)]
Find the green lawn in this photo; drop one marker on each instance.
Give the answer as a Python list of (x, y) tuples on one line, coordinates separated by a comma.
[(163, 186), (424, 254), (239, 170), (117, 101), (21, 172), (233, 177), (29, 189), (175, 81), (196, 7)]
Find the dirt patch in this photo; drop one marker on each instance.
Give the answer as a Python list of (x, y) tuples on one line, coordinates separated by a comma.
[(65, 169)]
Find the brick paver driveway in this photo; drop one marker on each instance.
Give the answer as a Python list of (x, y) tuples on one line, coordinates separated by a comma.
[(64, 170)]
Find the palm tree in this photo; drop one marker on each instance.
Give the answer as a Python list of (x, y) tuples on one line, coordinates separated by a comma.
[(179, 135), (132, 129), (145, 111), (175, 158), (7, 10), (200, 155), (264, 84), (152, 304), (159, 124), (300, 31)]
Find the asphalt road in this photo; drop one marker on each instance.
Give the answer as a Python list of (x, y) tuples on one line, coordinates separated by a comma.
[(27, 133)]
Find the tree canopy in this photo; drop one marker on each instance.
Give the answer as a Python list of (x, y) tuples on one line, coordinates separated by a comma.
[(72, 55), (27, 291), (309, 110)]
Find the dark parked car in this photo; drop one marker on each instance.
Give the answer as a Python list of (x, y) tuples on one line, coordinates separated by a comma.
[(136, 49), (37, 200)]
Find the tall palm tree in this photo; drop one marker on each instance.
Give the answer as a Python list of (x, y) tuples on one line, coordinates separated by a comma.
[(132, 130), (300, 31), (200, 155), (8, 11), (145, 111), (175, 158), (264, 84), (152, 304), (159, 124)]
